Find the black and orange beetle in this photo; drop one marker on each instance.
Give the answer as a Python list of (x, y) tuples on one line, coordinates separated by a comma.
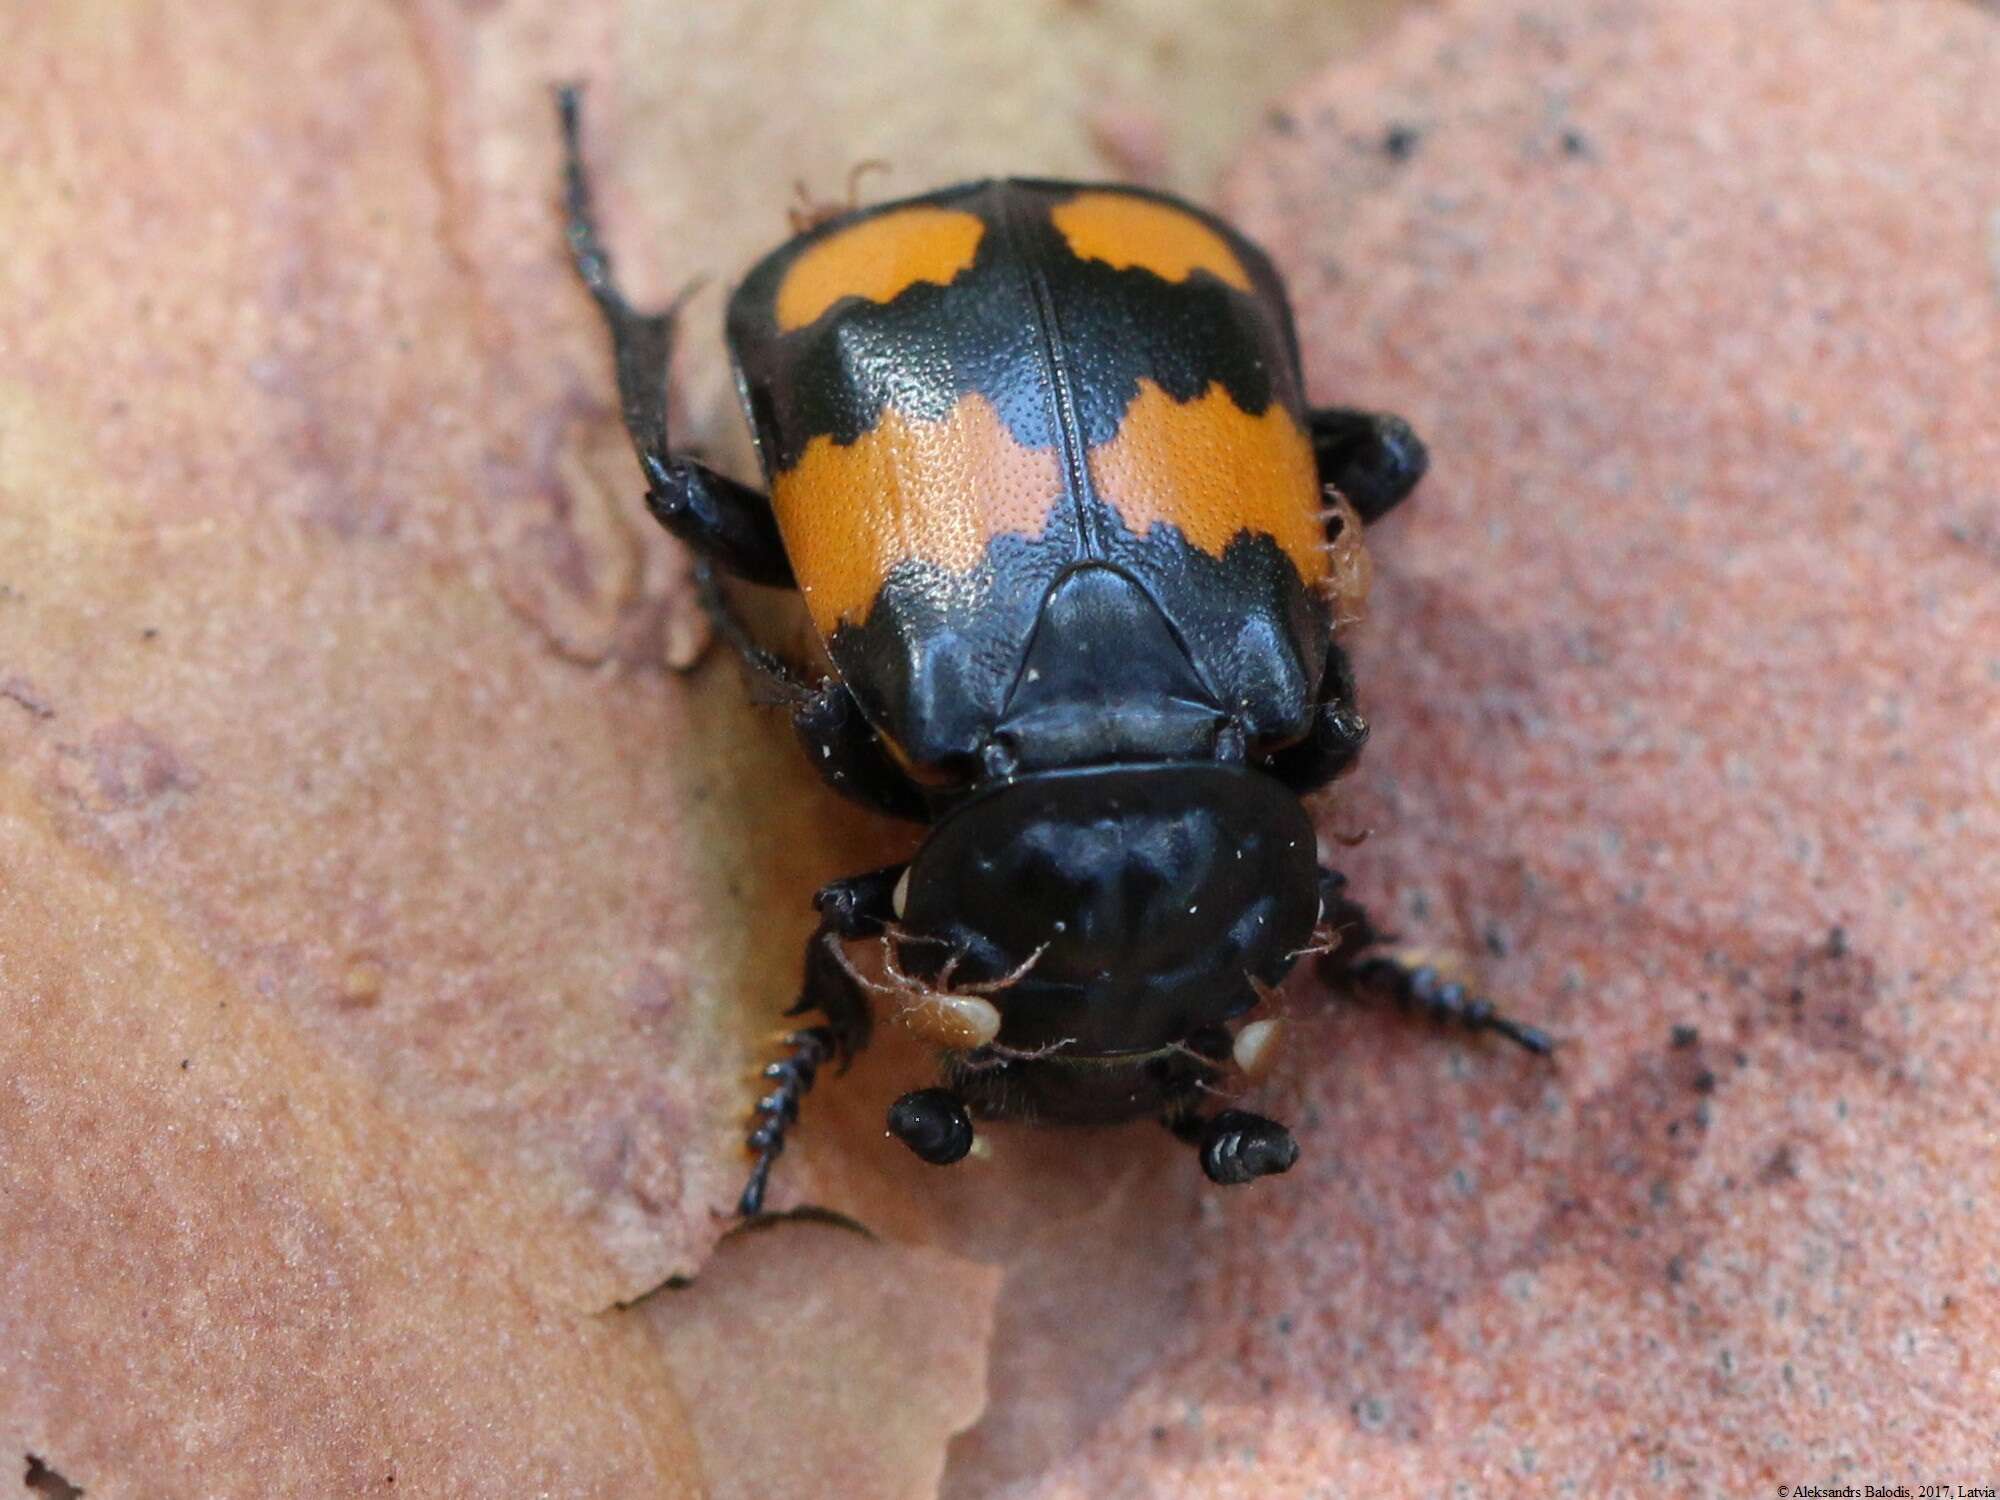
[(1041, 466)]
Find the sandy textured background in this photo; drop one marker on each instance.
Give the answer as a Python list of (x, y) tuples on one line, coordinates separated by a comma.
[(386, 933)]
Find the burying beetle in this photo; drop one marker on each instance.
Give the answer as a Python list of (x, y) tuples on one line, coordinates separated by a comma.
[(1041, 466)]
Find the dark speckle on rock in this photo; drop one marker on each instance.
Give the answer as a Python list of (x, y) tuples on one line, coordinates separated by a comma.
[(1400, 142), (127, 765), (19, 691), (44, 1480), (1781, 1166)]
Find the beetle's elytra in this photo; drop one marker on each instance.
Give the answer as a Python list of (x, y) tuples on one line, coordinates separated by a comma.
[(1041, 465)]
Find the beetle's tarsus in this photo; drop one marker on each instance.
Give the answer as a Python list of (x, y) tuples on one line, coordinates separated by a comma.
[(856, 907), (585, 247), (839, 742), (1423, 991), (790, 1078), (773, 679), (1415, 989)]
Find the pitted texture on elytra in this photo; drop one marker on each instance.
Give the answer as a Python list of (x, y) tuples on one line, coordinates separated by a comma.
[(908, 490), (1215, 471)]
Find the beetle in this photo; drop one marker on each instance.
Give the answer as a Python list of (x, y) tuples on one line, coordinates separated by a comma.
[(1041, 466)]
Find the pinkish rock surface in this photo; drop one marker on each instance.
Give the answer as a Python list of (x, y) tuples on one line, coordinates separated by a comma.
[(337, 764), (1685, 673)]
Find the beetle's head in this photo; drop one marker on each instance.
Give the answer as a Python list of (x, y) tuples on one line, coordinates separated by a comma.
[(1151, 899)]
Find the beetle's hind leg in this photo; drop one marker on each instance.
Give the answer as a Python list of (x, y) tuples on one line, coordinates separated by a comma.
[(712, 513), (1373, 458), (1414, 989), (856, 907)]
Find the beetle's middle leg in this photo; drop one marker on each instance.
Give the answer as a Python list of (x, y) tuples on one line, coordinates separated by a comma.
[(839, 742), (1371, 457), (857, 907), (1338, 732), (851, 757), (1416, 989), (711, 512)]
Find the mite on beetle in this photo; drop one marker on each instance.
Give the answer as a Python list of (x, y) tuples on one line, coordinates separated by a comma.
[(1040, 464)]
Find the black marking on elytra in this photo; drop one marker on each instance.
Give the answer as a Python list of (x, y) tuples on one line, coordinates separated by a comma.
[(931, 345), (935, 660)]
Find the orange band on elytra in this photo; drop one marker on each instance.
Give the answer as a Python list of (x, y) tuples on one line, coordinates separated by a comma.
[(877, 258)]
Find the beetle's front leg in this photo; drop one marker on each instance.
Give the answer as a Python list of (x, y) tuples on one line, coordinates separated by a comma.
[(1236, 1146), (934, 1124), (856, 907), (1413, 989), (711, 512), (1372, 458), (1233, 1145)]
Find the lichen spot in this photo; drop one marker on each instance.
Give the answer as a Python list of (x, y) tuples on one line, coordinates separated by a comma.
[(877, 258), (1124, 230), (1215, 472)]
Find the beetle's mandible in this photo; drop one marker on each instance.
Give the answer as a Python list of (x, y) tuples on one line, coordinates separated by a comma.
[(1041, 465)]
